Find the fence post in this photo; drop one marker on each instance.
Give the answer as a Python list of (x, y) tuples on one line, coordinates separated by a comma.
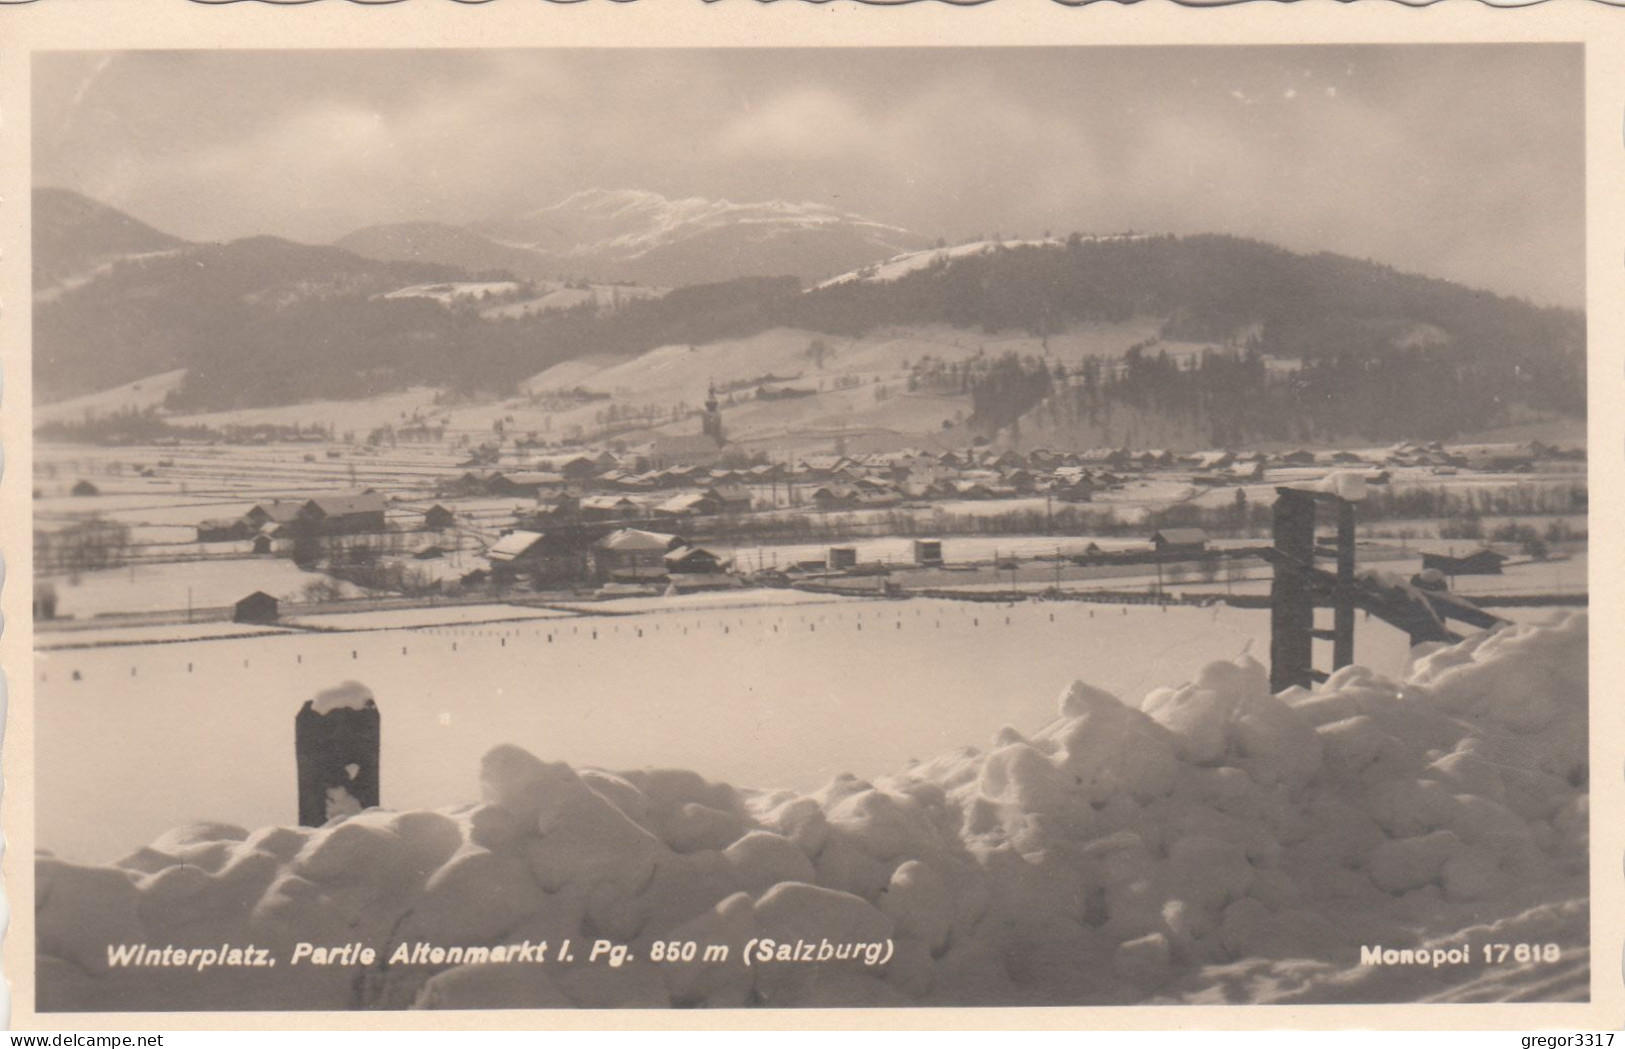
[(336, 744), (1292, 607)]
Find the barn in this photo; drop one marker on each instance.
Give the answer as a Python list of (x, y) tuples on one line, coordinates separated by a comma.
[(1179, 541), (258, 607), (551, 557), (692, 560), (349, 514), (928, 552)]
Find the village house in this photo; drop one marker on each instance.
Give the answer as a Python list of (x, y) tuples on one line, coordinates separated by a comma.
[(834, 497), (437, 518), (732, 498), (692, 560), (285, 512), (632, 555), (1073, 488), (1176, 541), (351, 514), (690, 504), (548, 558), (606, 508), (532, 483)]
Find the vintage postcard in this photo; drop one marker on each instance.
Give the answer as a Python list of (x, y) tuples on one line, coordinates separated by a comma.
[(543, 515)]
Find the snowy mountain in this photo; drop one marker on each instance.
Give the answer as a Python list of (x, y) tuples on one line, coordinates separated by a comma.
[(640, 236), (899, 266), (75, 236)]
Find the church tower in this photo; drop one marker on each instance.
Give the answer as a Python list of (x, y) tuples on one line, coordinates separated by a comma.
[(711, 425)]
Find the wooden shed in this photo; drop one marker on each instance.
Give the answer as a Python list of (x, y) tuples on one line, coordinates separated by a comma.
[(258, 607)]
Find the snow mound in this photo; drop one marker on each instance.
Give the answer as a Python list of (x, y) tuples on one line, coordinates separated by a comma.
[(1212, 842), (351, 695)]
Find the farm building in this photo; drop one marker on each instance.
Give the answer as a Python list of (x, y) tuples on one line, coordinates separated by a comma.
[(928, 551), (1179, 541), (514, 547), (690, 504), (731, 498), (1079, 490), (349, 514), (531, 482), (606, 507), (1480, 562), (692, 560), (631, 555), (224, 530), (85, 488), (437, 518), (834, 497), (258, 607), (262, 543), (277, 511), (842, 557), (547, 557)]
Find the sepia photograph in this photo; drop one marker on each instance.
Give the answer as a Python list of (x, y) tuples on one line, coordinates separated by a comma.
[(822, 527)]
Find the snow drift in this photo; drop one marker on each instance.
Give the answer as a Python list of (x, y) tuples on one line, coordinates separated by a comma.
[(1211, 843)]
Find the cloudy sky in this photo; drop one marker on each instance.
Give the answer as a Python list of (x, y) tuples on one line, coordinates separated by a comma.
[(1463, 162)]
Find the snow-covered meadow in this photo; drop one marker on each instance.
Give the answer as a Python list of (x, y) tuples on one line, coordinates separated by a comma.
[(784, 696), (1207, 843)]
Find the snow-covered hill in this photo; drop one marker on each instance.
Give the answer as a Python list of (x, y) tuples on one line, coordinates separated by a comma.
[(899, 266), (643, 236)]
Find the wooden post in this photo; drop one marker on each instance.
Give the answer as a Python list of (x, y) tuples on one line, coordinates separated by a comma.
[(1292, 607), (336, 744), (1343, 609)]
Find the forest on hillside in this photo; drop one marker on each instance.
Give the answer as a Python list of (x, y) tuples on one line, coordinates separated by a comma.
[(1383, 353)]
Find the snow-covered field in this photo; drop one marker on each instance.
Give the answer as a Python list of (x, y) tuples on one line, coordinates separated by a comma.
[(1204, 843), (194, 584), (418, 618), (781, 696), (100, 634)]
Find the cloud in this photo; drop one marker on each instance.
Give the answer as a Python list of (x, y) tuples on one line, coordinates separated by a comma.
[(1472, 157), (807, 123)]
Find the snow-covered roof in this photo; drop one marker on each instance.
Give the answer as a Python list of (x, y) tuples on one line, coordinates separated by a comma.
[(605, 502), (683, 502), (282, 511), (636, 539), (348, 503), (513, 545)]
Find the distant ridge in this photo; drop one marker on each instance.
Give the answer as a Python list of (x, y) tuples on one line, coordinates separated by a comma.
[(74, 234), (642, 237)]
